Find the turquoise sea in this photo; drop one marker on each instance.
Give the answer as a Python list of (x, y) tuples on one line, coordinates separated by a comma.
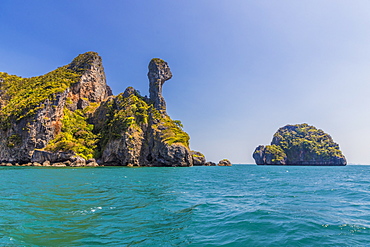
[(242, 205)]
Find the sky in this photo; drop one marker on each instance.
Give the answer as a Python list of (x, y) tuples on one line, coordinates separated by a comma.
[(241, 69)]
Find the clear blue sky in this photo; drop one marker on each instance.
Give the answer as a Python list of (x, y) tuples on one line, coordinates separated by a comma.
[(242, 69)]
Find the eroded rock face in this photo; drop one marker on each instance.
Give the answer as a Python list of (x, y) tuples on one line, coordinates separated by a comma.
[(161, 153), (124, 150), (259, 155), (45, 156), (19, 140), (159, 72), (300, 144), (92, 86), (138, 134), (198, 158)]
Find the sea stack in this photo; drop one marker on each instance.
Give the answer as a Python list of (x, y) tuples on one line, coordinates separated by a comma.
[(302, 145), (159, 72)]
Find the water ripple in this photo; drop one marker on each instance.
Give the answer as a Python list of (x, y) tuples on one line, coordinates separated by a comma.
[(198, 206)]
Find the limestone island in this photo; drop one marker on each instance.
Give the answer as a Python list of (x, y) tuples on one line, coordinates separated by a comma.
[(301, 145), (69, 117)]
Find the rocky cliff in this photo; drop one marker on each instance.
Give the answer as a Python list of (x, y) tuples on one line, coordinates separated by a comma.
[(32, 109), (69, 116), (300, 144), (135, 133)]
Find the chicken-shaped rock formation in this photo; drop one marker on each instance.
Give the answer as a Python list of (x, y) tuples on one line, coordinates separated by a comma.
[(69, 117)]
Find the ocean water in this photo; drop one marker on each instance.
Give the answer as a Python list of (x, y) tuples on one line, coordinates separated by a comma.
[(242, 205)]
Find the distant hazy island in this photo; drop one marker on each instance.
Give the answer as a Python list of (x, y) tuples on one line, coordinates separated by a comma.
[(69, 117), (300, 144)]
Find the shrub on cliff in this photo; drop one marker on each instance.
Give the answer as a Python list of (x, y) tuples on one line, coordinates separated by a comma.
[(76, 135), (22, 97)]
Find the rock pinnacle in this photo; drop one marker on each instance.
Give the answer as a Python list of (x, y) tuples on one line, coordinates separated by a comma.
[(159, 72)]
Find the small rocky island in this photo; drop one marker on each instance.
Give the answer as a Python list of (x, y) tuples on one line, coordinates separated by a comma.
[(302, 145), (69, 117)]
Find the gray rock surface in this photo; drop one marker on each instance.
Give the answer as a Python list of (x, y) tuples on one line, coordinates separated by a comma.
[(92, 86), (159, 72), (78, 161), (198, 158), (44, 156), (259, 155), (35, 132), (32, 132)]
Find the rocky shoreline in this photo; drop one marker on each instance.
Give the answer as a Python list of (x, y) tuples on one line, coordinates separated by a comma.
[(87, 163), (70, 159), (48, 164)]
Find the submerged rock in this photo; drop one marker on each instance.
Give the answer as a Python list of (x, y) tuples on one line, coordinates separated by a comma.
[(300, 144)]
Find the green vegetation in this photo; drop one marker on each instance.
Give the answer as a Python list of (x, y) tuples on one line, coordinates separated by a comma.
[(158, 60), (278, 154), (122, 114), (22, 97), (76, 134), (304, 142), (174, 134), (83, 61), (14, 140), (172, 129), (178, 123), (197, 154), (133, 112)]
